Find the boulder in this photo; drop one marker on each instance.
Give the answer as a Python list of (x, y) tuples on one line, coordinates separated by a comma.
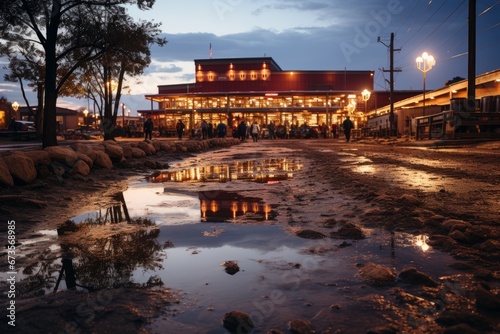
[(164, 146), (375, 274), (40, 158), (85, 158), (138, 153), (5, 177), (486, 300), (349, 231), (147, 148), (237, 322), (299, 326), (127, 150), (81, 168), (85, 149), (114, 150), (62, 154), (21, 167), (103, 160), (412, 276)]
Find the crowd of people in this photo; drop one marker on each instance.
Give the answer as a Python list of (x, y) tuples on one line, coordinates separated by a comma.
[(245, 130)]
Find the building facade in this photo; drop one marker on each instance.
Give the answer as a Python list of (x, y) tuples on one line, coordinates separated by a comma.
[(232, 90)]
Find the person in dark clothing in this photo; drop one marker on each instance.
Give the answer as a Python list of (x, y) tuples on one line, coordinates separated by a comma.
[(242, 131), (221, 130), (180, 129), (204, 129), (148, 129), (347, 128)]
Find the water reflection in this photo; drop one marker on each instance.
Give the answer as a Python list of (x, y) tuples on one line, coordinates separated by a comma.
[(263, 171), (219, 206)]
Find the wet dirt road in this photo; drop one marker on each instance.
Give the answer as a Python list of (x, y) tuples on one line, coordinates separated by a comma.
[(435, 210)]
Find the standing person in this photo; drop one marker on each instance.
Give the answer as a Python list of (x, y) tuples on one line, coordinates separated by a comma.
[(323, 130), (347, 128), (180, 129), (242, 131), (334, 130), (271, 129), (204, 129), (148, 129), (210, 130), (221, 130), (255, 131)]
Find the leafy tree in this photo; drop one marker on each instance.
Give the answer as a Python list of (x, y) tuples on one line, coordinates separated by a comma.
[(61, 32)]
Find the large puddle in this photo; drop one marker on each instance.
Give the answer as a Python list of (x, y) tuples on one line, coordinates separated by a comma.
[(180, 237)]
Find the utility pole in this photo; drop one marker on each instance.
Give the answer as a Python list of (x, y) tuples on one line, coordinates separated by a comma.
[(391, 81), (471, 80)]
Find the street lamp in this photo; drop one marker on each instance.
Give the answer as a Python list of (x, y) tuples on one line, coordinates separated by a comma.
[(123, 114), (85, 113), (15, 106), (425, 64), (366, 96)]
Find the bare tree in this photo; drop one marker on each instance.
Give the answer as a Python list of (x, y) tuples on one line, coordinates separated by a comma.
[(48, 27)]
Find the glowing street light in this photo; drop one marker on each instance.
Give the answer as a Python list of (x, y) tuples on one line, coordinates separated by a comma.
[(15, 106), (366, 96), (425, 64)]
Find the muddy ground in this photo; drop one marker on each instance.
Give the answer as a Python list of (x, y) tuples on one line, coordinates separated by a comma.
[(450, 194)]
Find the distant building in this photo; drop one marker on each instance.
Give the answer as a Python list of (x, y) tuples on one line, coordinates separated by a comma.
[(65, 118)]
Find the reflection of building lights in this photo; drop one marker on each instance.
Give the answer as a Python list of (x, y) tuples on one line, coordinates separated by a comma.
[(255, 207), (244, 207), (213, 206), (267, 209), (234, 208), (203, 209), (421, 241)]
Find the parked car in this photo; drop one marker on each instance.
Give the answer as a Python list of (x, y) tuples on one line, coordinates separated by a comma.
[(83, 132), (21, 129), (305, 131)]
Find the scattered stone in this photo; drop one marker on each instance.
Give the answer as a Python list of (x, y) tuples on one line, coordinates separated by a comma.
[(85, 158), (237, 322), (349, 231), (490, 246), (310, 234), (459, 236), (455, 224), (460, 329), (383, 330), (114, 150), (377, 275), (231, 267), (299, 326), (21, 168), (412, 276), (85, 149)]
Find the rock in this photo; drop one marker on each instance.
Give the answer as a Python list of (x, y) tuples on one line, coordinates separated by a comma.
[(40, 158), (349, 231), (410, 199), (383, 330), (85, 149), (459, 236), (103, 160), (310, 234), (85, 158), (62, 154), (147, 148), (21, 168), (156, 144), (127, 150), (5, 177), (81, 168), (114, 150), (231, 267), (138, 153), (377, 275), (490, 246), (455, 224), (237, 322), (299, 326), (150, 164), (443, 242), (164, 146), (486, 300), (275, 331), (413, 276)]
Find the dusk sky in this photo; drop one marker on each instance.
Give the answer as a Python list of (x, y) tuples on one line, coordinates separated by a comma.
[(314, 35)]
